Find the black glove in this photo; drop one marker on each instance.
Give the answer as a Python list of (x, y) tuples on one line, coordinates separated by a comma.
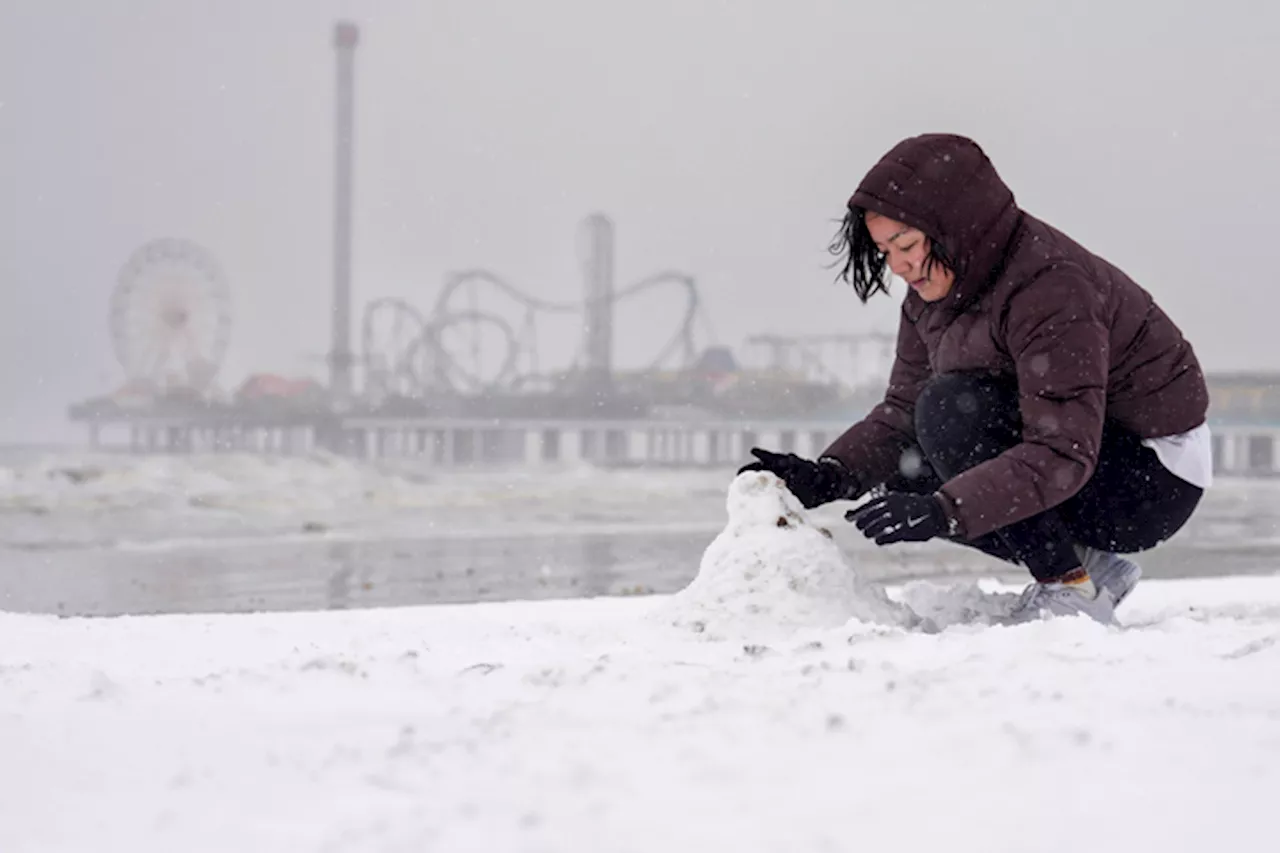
[(900, 517), (812, 483)]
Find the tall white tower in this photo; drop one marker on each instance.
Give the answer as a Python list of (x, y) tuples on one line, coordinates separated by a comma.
[(345, 37), (598, 275)]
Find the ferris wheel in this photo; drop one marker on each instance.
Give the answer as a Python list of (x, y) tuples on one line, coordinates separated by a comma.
[(171, 316)]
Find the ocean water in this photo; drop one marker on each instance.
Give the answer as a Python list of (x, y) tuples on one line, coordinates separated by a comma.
[(86, 533)]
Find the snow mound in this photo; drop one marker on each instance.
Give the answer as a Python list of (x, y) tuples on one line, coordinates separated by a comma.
[(941, 606), (771, 570)]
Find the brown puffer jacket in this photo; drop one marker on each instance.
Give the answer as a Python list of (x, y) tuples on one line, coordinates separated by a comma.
[(1083, 340)]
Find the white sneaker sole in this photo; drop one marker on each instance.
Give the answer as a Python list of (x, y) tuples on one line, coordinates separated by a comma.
[(1118, 578)]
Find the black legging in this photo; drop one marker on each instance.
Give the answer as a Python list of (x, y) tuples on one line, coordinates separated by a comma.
[(1131, 503)]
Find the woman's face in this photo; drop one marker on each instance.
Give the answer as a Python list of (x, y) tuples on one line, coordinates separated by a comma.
[(905, 249)]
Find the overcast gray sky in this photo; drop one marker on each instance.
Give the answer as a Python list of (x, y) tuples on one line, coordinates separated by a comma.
[(723, 138)]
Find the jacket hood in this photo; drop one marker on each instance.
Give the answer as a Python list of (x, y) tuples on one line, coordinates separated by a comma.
[(947, 187)]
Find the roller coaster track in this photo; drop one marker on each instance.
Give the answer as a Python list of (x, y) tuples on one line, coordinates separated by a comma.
[(404, 352)]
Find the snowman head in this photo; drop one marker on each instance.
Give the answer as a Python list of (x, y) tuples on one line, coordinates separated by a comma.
[(760, 499)]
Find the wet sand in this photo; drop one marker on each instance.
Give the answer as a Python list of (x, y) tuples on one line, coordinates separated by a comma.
[(325, 574)]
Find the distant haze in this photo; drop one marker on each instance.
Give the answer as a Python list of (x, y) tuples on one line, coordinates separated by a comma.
[(723, 138)]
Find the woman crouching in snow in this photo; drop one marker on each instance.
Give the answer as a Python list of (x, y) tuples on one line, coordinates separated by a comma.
[(1041, 406)]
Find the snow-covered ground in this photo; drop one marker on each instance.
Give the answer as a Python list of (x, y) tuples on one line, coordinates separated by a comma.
[(776, 704), (113, 500), (103, 534), (84, 499)]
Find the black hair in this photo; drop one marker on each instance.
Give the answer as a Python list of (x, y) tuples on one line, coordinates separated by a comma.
[(864, 264)]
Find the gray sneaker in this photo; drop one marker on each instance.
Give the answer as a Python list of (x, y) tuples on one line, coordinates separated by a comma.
[(1111, 572), (1043, 600)]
